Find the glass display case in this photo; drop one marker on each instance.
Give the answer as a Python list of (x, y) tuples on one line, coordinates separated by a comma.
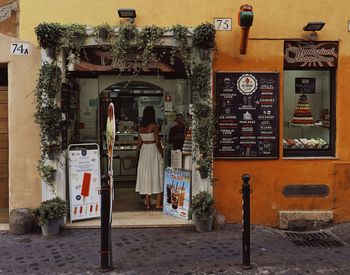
[(308, 114)]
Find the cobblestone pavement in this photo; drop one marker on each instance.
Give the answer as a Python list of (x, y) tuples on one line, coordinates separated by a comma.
[(171, 251)]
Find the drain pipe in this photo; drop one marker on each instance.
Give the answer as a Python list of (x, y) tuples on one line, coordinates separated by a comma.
[(245, 20)]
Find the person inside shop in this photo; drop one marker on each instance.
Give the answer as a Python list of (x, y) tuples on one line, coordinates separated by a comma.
[(177, 133), (150, 167)]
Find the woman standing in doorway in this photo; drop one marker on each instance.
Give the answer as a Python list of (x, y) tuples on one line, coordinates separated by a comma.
[(150, 167)]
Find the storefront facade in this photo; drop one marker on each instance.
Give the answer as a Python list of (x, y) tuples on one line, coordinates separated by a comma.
[(269, 34)]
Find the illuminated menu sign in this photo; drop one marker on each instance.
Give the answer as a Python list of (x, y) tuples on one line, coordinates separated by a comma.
[(247, 115)]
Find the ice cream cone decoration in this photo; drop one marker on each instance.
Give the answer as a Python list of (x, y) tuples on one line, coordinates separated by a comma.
[(110, 130)]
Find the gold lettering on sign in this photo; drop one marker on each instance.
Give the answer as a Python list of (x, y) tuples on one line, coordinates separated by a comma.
[(128, 61), (311, 55)]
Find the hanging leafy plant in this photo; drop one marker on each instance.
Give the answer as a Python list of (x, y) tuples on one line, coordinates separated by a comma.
[(74, 36), (48, 36), (48, 115), (48, 174), (104, 31), (121, 41), (200, 81), (182, 46), (146, 41), (204, 130), (204, 36)]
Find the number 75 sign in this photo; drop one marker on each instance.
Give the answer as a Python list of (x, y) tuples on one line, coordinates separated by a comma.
[(223, 24)]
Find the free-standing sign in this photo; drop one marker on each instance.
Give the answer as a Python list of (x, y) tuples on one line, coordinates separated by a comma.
[(177, 192), (247, 115), (84, 181)]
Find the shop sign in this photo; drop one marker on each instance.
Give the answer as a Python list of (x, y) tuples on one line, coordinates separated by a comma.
[(84, 181), (102, 60), (247, 115), (177, 192), (300, 54)]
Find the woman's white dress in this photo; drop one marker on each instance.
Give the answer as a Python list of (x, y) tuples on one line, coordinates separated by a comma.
[(150, 169)]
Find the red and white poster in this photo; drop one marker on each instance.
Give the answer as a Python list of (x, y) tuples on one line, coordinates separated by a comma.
[(84, 181)]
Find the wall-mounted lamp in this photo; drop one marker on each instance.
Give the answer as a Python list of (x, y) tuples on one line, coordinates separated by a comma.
[(127, 13), (313, 27), (245, 20)]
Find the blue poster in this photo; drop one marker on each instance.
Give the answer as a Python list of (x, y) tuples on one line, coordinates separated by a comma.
[(177, 192)]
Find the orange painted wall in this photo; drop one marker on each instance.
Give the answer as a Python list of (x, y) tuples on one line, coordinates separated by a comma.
[(268, 177), (274, 21)]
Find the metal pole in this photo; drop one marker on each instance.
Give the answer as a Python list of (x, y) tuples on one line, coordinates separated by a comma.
[(246, 220), (106, 248)]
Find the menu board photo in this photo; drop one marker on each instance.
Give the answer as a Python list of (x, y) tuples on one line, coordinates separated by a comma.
[(247, 115)]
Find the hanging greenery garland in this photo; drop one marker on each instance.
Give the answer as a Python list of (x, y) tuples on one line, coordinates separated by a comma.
[(124, 39)]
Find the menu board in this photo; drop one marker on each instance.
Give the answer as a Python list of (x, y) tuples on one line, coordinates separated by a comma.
[(247, 115)]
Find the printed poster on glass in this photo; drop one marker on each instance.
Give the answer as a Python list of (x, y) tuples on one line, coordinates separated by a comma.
[(177, 192)]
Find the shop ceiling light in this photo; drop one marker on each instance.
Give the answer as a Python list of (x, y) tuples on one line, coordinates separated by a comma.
[(314, 26), (127, 13)]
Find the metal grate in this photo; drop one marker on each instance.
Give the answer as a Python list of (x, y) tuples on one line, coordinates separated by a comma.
[(314, 239)]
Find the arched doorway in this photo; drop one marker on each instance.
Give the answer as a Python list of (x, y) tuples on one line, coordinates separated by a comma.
[(129, 99)]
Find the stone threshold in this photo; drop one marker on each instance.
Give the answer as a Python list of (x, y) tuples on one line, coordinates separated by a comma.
[(4, 227), (150, 219)]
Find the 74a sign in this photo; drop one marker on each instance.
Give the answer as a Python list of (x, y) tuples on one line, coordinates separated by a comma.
[(19, 48)]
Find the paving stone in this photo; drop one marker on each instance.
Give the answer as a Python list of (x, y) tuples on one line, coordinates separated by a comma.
[(170, 251)]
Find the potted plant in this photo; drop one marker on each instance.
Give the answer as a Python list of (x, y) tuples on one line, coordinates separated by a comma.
[(48, 35), (49, 214), (104, 31), (202, 208), (48, 174), (203, 165), (74, 37), (204, 39)]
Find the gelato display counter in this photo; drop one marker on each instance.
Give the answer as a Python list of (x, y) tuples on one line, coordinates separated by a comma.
[(125, 156)]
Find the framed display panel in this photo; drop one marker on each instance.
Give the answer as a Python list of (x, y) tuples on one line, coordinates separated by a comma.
[(84, 181), (247, 115), (309, 118)]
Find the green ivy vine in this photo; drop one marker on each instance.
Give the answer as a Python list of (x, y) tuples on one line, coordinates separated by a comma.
[(48, 115)]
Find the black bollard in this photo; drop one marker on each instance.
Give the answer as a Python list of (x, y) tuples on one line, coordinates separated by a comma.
[(246, 221), (106, 248)]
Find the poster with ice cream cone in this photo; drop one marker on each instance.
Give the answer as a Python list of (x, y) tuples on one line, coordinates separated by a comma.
[(84, 181)]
